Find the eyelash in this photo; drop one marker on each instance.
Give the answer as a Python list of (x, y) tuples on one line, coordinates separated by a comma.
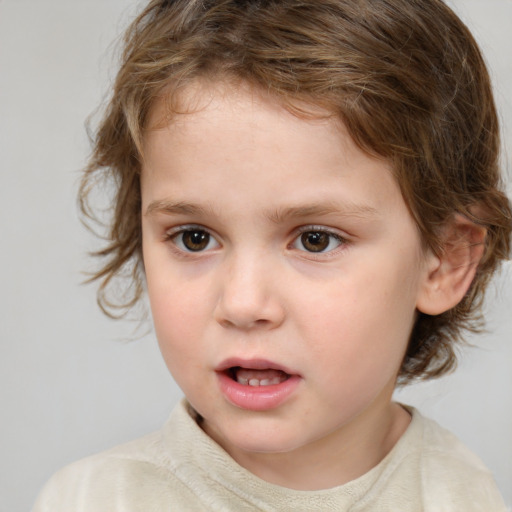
[(174, 234), (333, 235)]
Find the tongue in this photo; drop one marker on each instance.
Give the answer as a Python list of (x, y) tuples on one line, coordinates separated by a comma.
[(248, 374)]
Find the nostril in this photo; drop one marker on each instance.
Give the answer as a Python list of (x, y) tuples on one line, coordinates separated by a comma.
[(243, 324), (226, 323)]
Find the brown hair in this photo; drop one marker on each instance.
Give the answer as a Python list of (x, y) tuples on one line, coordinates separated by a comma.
[(405, 76)]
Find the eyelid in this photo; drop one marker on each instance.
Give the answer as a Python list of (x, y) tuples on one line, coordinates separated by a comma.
[(323, 229), (319, 227), (170, 232)]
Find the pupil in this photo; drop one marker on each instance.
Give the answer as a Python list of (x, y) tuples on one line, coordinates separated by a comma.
[(196, 240), (315, 241)]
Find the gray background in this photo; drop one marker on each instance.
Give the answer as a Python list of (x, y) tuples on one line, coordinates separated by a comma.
[(70, 383)]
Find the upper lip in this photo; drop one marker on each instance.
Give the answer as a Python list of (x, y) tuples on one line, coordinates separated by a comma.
[(253, 364)]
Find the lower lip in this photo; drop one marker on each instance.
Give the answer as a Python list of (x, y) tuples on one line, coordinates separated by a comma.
[(257, 398)]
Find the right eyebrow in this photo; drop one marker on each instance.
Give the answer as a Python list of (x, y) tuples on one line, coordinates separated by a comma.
[(176, 208)]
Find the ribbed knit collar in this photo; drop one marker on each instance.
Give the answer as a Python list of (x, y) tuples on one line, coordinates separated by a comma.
[(210, 472)]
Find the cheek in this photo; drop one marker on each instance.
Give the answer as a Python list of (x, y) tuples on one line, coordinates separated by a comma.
[(178, 310), (179, 323), (359, 326)]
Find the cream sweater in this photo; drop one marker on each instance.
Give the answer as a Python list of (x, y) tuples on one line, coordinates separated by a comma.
[(180, 468)]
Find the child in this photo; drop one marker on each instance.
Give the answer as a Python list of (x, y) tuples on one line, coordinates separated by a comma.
[(309, 191)]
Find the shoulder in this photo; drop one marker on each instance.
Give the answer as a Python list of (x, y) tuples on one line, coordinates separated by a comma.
[(452, 476), (136, 476)]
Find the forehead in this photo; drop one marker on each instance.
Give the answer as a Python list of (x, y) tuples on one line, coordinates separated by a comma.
[(215, 125), (175, 104), (205, 105)]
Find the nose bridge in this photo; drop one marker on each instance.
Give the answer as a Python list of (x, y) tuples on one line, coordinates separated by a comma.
[(247, 295)]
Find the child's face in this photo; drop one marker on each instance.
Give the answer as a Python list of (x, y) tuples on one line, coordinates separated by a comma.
[(273, 244)]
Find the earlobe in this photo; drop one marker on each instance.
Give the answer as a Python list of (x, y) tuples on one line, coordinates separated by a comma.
[(449, 275)]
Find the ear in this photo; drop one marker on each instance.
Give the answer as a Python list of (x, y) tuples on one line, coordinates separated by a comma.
[(449, 275)]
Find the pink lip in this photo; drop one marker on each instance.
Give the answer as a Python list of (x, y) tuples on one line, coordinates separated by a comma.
[(256, 398), (253, 364)]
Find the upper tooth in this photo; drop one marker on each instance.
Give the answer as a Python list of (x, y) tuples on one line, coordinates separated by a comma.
[(258, 382)]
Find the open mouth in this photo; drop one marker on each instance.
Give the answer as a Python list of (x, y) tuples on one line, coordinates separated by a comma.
[(256, 384), (257, 377)]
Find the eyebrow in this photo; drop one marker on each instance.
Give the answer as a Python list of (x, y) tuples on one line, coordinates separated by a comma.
[(276, 216), (176, 208), (322, 209)]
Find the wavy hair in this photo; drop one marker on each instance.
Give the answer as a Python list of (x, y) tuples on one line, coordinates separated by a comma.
[(405, 76)]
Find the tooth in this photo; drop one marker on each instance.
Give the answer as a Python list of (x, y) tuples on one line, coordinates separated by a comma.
[(255, 378)]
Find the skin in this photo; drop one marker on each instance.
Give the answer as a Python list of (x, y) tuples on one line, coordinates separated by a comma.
[(252, 176)]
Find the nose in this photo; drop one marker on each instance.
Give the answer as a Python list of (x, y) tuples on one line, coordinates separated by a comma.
[(250, 296)]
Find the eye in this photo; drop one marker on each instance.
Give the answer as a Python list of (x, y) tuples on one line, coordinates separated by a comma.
[(193, 240), (317, 241)]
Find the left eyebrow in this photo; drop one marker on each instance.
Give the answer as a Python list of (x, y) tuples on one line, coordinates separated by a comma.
[(318, 210)]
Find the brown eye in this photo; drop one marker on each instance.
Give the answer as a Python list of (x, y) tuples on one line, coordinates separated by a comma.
[(195, 240), (318, 241), (192, 239), (315, 241)]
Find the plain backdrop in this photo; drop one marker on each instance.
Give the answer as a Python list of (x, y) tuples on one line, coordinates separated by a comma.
[(70, 383)]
